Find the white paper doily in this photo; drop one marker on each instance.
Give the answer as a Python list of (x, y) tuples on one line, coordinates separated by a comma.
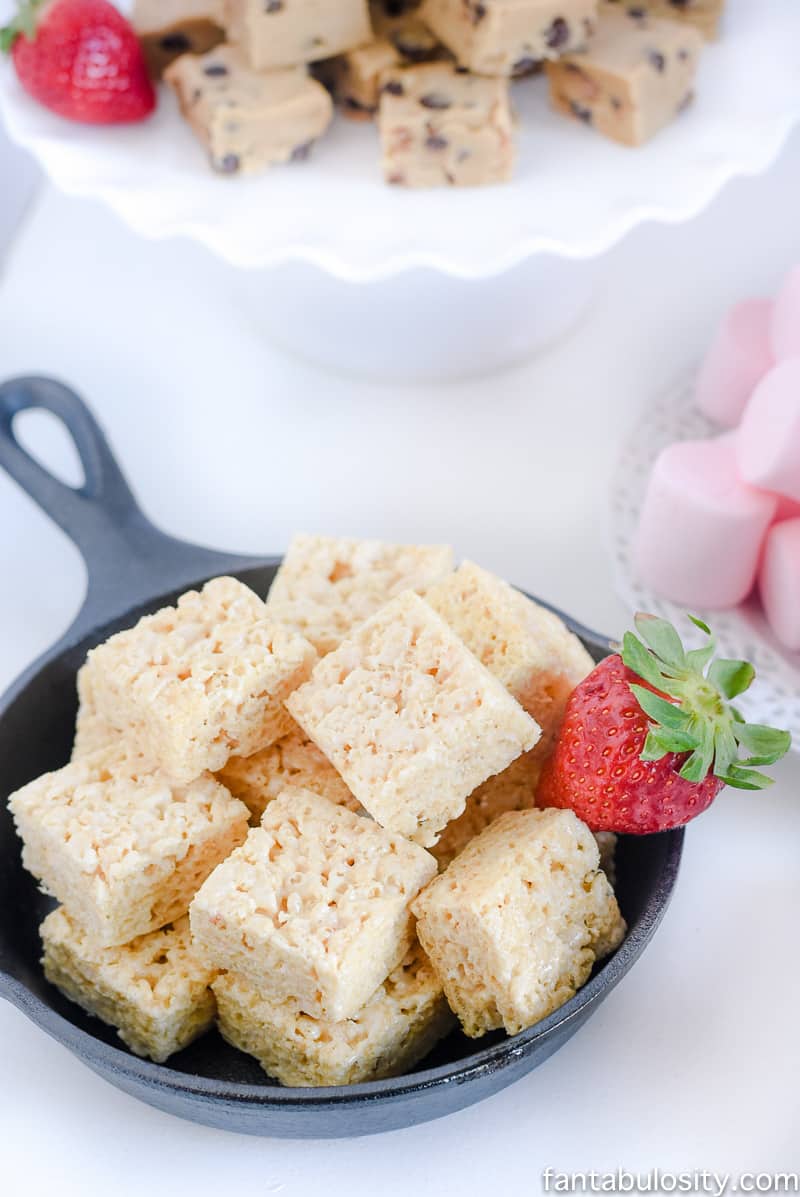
[(742, 633), (575, 193)]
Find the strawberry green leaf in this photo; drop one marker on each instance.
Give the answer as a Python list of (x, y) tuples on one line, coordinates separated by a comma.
[(731, 678), (641, 661), (667, 714), (653, 749), (696, 767), (766, 745), (700, 722), (726, 750), (746, 779), (671, 740), (663, 639), (698, 658)]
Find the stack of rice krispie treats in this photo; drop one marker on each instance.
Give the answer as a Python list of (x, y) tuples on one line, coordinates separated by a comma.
[(312, 820), (258, 81)]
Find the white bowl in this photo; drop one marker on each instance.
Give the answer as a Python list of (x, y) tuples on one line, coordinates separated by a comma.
[(575, 193)]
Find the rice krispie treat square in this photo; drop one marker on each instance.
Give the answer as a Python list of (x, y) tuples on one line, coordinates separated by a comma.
[(327, 585), (313, 909), (525, 646), (411, 719), (198, 683), (155, 990), (400, 1024), (292, 761), (124, 849), (516, 923), (513, 789), (92, 731), (281, 33)]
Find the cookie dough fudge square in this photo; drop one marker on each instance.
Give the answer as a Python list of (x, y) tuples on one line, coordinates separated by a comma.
[(195, 684), (313, 909), (410, 36), (529, 649), (249, 120), (510, 37), (355, 78), (411, 719), (169, 28), (280, 33), (516, 923), (154, 990), (294, 760), (400, 1024), (329, 584), (442, 127), (705, 15), (635, 78), (124, 851)]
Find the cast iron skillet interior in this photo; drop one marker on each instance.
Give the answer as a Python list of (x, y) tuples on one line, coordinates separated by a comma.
[(132, 569)]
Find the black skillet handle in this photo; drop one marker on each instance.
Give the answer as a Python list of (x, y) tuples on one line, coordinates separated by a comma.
[(128, 560)]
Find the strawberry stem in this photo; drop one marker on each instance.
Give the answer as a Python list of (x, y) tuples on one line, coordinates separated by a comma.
[(22, 25), (692, 714)]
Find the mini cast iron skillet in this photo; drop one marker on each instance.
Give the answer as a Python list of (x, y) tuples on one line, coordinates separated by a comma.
[(134, 569)]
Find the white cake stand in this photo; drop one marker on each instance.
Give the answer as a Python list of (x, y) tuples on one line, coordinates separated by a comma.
[(574, 196)]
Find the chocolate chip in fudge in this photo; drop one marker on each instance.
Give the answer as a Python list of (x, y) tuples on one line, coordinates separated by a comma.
[(301, 152), (558, 33), (228, 165), (406, 44), (273, 6), (478, 12), (215, 70), (435, 141), (394, 88), (435, 99), (581, 112), (354, 105), (657, 60), (525, 66), (175, 43)]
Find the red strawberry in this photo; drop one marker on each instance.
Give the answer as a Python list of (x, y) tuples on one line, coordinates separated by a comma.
[(81, 59), (650, 737)]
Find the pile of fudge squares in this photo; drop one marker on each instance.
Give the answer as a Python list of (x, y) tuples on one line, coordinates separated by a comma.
[(312, 820), (258, 81)]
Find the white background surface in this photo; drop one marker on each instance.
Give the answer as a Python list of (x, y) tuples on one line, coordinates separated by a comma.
[(692, 1062)]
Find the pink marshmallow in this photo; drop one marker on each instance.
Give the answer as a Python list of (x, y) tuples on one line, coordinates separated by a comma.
[(739, 357), (779, 582), (785, 330), (787, 509), (701, 528), (768, 440)]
